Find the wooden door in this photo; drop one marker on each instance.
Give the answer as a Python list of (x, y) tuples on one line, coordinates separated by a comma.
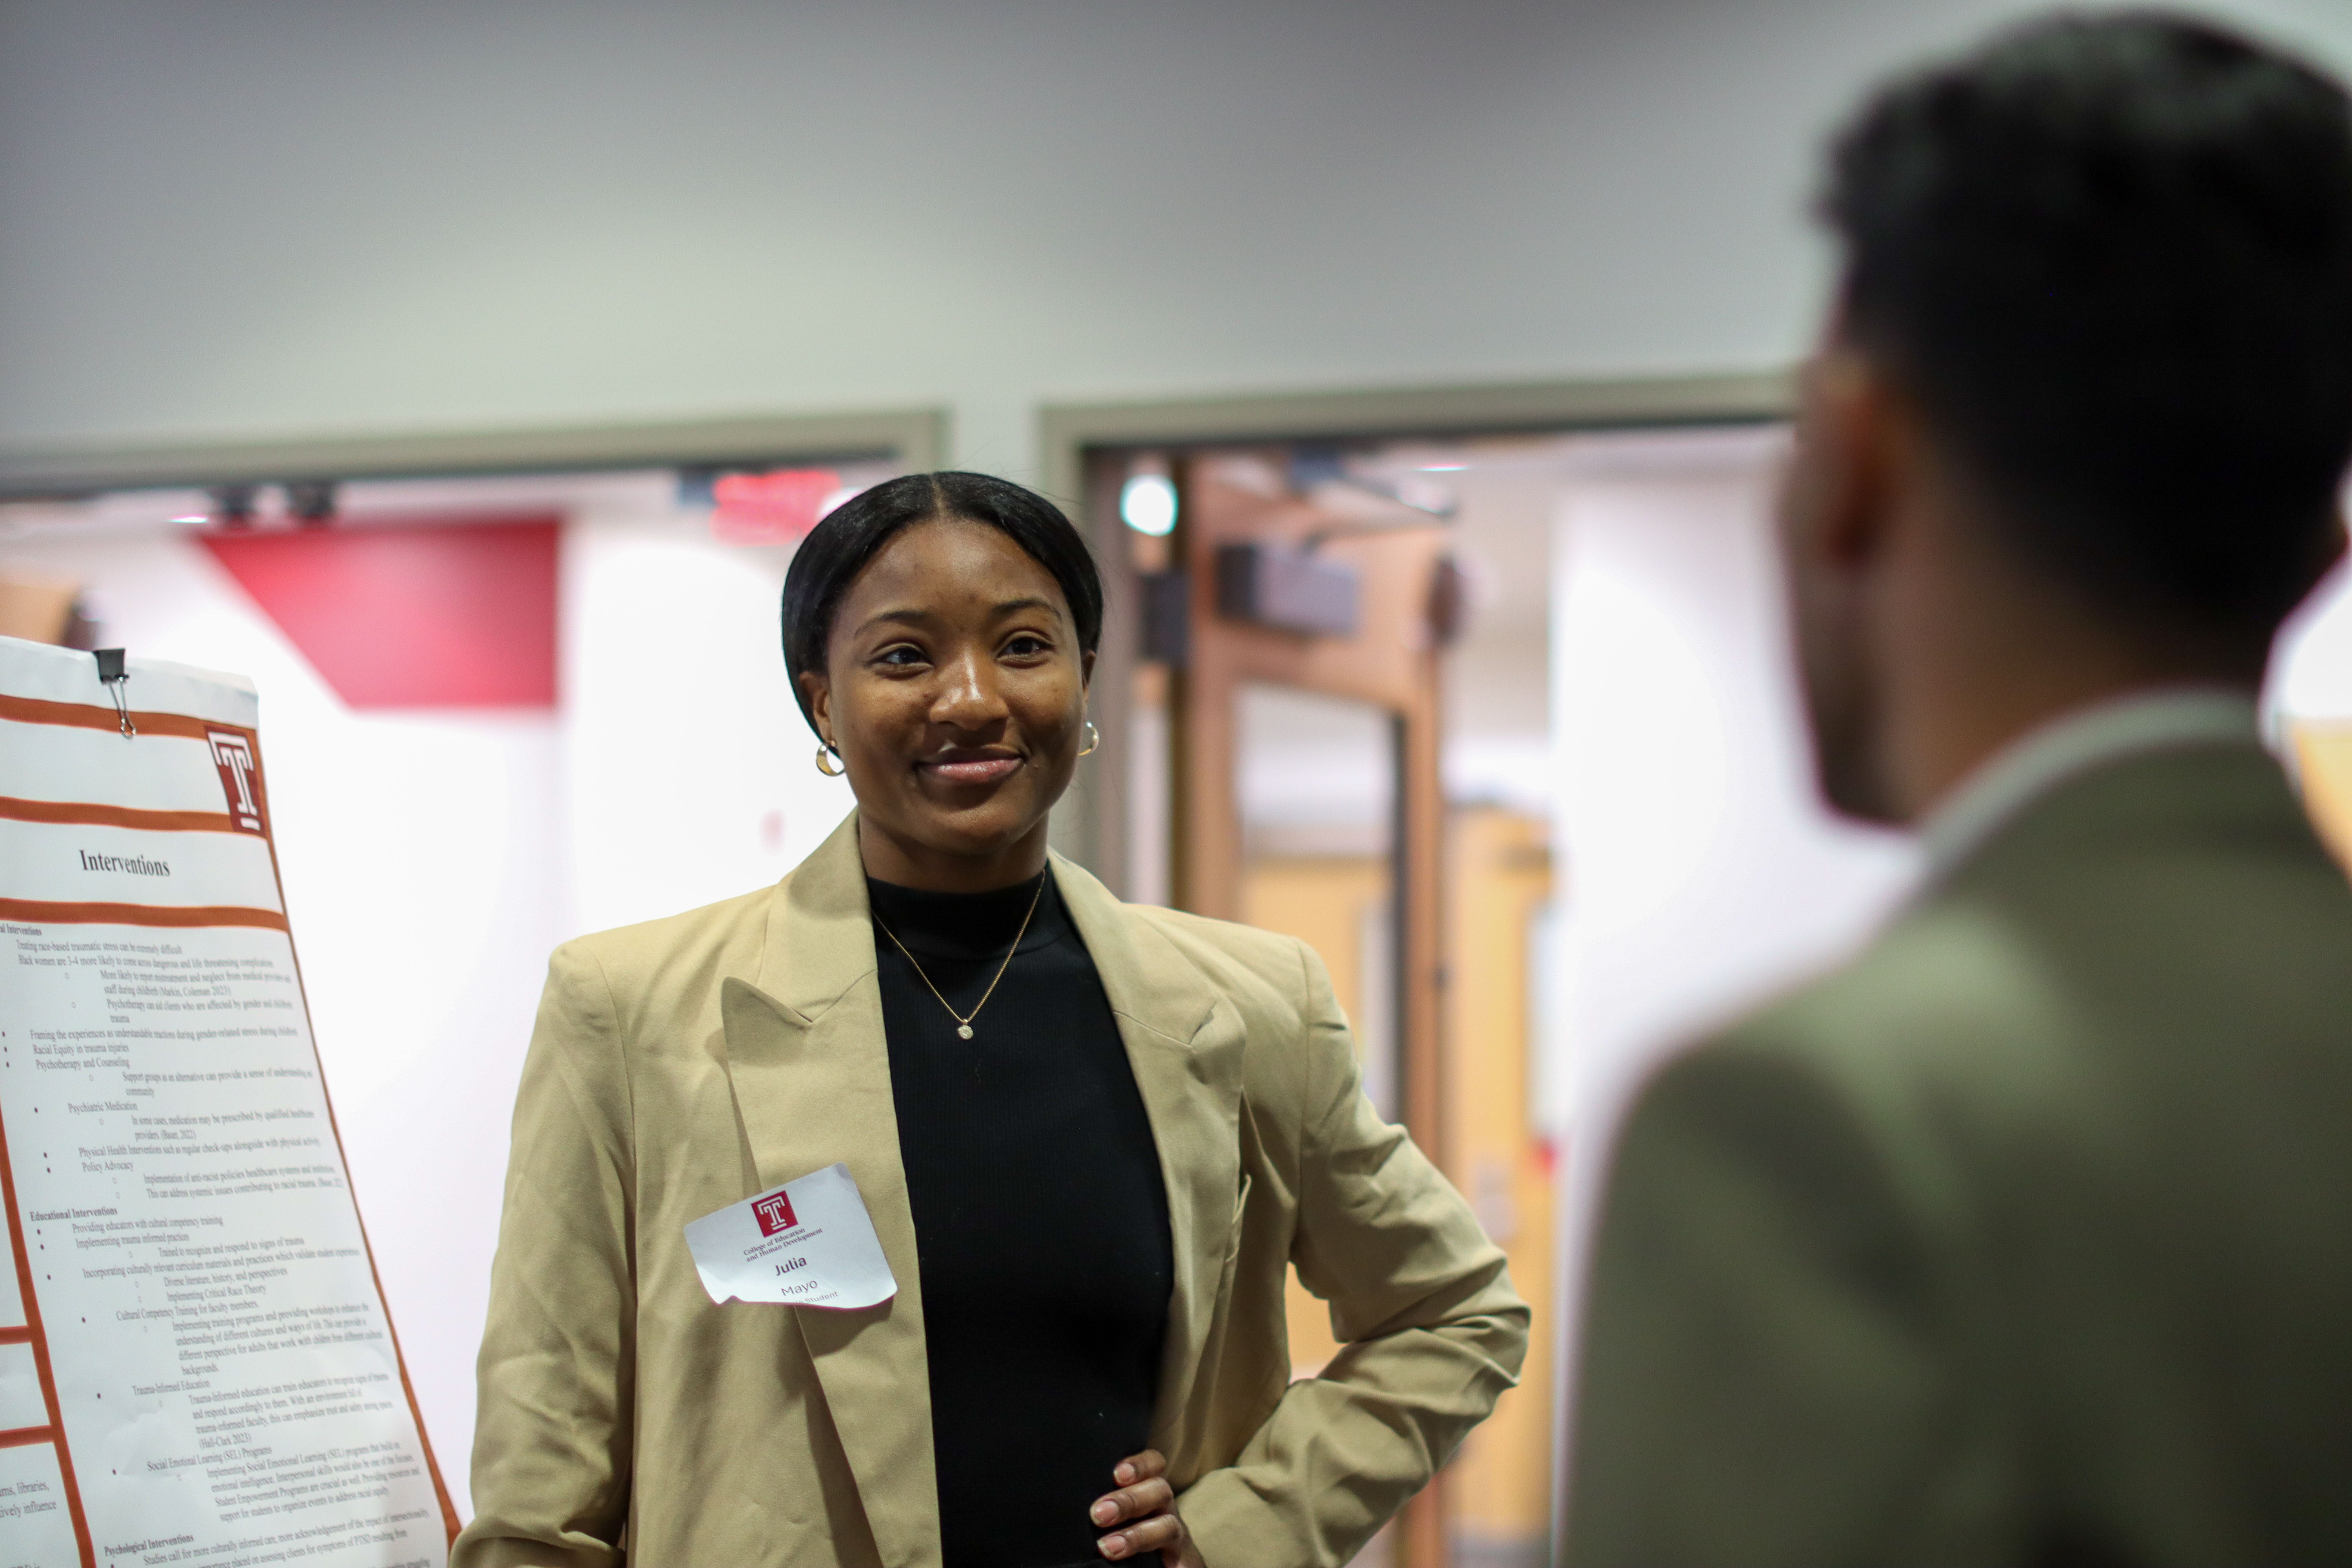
[(1387, 668)]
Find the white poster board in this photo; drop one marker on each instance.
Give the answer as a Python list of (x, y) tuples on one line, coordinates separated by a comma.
[(196, 1365)]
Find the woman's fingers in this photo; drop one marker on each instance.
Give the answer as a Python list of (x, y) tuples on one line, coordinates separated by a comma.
[(1145, 1497), (1160, 1533), (1139, 1468), (1141, 1489), (1153, 1496)]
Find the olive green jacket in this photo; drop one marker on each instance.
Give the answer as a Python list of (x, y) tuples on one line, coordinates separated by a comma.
[(2026, 1237), (684, 1065)]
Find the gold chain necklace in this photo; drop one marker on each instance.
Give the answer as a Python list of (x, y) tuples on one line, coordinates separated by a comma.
[(963, 1020)]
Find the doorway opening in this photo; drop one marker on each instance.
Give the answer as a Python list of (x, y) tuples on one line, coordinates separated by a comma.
[(1502, 726)]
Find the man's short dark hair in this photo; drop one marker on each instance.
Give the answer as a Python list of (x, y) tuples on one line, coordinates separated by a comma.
[(2111, 258)]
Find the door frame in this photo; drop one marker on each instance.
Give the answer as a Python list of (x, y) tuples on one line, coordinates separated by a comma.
[(1064, 430), (917, 438), (1069, 434)]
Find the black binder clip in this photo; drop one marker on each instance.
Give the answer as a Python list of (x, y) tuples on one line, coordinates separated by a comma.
[(112, 675)]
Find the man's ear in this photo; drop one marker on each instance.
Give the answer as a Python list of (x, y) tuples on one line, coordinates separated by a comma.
[(818, 692), (1860, 429)]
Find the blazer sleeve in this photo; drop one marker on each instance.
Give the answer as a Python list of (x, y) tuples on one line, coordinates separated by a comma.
[(551, 1442), (1763, 1377), (1431, 1333)]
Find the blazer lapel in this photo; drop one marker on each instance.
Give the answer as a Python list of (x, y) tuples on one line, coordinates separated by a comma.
[(1184, 1043), (810, 1071)]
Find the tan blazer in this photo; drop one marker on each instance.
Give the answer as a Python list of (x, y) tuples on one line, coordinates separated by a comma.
[(683, 1065)]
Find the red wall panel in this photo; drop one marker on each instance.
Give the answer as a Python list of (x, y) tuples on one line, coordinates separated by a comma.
[(431, 615)]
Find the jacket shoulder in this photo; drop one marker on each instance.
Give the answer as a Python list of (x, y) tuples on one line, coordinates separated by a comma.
[(1927, 1075), (1952, 1012), (676, 958), (1254, 965), (2103, 946), (1942, 978), (1293, 1034)]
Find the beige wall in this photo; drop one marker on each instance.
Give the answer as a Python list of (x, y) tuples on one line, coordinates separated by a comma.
[(260, 216)]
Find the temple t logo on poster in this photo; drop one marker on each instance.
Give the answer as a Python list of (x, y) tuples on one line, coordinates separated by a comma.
[(238, 775), (775, 1212)]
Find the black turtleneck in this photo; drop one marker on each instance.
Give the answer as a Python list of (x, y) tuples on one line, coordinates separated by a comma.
[(1041, 1220)]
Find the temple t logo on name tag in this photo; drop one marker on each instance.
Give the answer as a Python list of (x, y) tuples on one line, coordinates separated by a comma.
[(775, 1212), (808, 1243)]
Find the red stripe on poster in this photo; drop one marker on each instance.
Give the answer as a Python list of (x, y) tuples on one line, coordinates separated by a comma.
[(84, 716), (33, 1337), (34, 911), (19, 1335), (25, 1436), (13, 809)]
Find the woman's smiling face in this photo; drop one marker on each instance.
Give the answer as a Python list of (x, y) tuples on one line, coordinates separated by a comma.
[(955, 690)]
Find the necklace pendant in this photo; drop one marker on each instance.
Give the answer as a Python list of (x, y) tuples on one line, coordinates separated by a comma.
[(964, 1031)]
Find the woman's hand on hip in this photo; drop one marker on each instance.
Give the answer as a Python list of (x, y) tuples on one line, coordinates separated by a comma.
[(1145, 1506)]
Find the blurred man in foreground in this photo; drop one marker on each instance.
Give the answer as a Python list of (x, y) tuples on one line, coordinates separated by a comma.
[(2027, 1237)]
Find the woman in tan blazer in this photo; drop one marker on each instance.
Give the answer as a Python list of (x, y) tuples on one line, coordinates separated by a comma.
[(1090, 1154)]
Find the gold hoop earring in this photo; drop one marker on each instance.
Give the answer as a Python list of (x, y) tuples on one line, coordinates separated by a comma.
[(1094, 741), (823, 764)]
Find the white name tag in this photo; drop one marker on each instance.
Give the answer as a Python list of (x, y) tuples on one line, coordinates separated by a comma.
[(808, 1243)]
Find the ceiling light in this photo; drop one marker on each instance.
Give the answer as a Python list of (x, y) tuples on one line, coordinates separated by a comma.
[(193, 519), (1147, 502), (1443, 467)]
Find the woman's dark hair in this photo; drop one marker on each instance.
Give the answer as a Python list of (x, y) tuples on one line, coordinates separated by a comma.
[(838, 550), (2111, 257)]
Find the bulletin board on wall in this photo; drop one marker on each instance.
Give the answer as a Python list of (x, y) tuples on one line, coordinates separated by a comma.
[(196, 1362)]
